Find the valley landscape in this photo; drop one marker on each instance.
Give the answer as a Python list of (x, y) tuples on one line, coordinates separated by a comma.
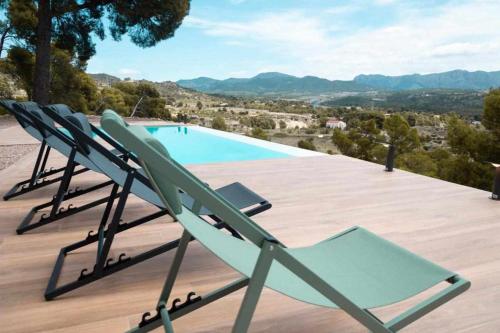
[(428, 116)]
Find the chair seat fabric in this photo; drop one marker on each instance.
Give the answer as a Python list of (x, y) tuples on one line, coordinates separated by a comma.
[(236, 193), (365, 268)]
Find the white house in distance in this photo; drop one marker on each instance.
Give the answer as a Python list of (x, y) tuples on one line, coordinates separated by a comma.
[(335, 123)]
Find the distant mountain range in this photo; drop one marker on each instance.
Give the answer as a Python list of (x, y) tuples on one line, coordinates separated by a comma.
[(274, 83), (457, 79)]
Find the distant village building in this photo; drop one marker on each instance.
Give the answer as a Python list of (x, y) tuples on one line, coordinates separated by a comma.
[(335, 123)]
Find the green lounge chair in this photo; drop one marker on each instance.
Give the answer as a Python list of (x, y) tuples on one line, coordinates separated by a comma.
[(130, 180), (353, 271)]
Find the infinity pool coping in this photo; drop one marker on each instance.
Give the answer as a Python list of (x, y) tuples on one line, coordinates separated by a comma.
[(289, 150)]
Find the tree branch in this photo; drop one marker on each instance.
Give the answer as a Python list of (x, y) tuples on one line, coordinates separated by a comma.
[(75, 7)]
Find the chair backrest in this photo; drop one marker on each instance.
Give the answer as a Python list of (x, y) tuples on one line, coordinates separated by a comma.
[(167, 175), (23, 120), (107, 162), (39, 118), (80, 121), (8, 105), (79, 127)]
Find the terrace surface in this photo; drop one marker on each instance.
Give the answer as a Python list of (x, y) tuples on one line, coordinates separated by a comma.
[(313, 198)]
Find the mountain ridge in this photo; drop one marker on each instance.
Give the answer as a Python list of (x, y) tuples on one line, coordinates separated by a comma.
[(455, 79), (280, 83), (271, 83)]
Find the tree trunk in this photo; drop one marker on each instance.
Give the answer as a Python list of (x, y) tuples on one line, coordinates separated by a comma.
[(5, 35), (41, 85)]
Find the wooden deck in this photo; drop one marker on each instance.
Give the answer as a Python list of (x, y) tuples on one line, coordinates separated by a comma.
[(313, 198)]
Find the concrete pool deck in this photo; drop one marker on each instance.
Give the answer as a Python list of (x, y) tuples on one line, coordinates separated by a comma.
[(313, 198)]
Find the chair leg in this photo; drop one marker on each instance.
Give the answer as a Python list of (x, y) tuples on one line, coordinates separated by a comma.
[(38, 172), (167, 322), (113, 226), (254, 289), (174, 269), (105, 218), (63, 187), (36, 167)]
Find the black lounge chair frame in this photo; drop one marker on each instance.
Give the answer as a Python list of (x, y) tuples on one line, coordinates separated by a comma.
[(64, 192), (104, 264), (40, 173)]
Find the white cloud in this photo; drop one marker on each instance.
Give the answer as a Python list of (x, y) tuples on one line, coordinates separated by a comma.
[(455, 35), (281, 29)]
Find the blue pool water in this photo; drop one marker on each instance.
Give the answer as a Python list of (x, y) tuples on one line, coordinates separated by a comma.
[(190, 146)]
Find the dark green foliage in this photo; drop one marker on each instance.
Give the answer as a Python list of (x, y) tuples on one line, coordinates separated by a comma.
[(461, 169), (124, 96), (282, 124), (464, 160), (280, 135), (70, 85), (21, 15), (344, 143), (262, 122), (310, 130), (259, 133), (411, 119), (20, 64), (491, 116), (479, 144), (70, 25), (379, 154), (219, 123), (401, 135), (469, 103), (74, 23), (359, 141), (307, 144), (114, 99), (419, 162), (182, 118), (351, 118)]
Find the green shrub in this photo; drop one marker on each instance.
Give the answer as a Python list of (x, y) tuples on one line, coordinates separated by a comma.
[(307, 144), (219, 123), (259, 133)]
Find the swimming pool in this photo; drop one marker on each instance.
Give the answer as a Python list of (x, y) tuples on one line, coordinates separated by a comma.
[(197, 145)]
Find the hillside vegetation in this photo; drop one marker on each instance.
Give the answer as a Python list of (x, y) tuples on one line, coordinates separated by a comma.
[(463, 102)]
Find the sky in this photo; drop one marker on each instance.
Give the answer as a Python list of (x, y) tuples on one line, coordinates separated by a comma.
[(332, 39)]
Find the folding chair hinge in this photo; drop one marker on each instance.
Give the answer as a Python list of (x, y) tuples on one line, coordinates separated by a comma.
[(121, 258), (147, 318), (190, 299), (84, 273)]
